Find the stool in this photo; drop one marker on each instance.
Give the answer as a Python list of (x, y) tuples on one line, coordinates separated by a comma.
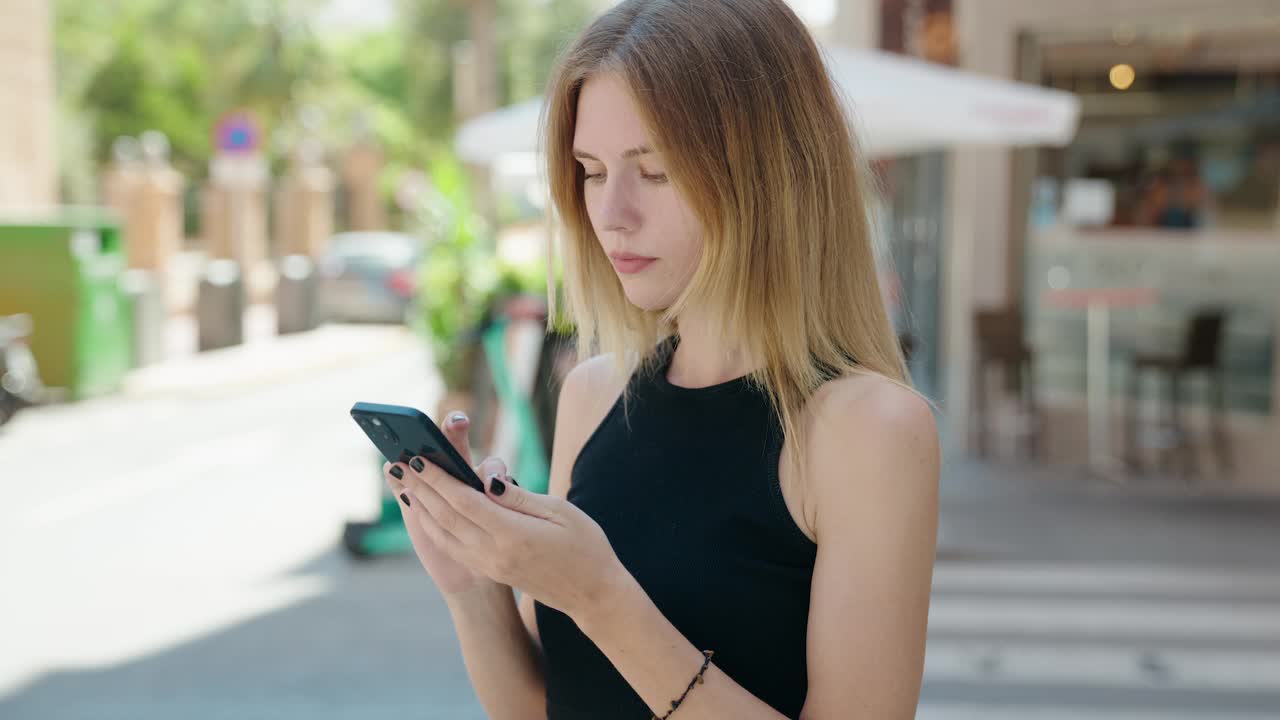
[(1201, 352), (1001, 342)]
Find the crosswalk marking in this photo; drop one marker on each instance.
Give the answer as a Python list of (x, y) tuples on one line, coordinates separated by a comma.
[(1031, 616), (1117, 580), (1085, 641), (967, 711), (1111, 666)]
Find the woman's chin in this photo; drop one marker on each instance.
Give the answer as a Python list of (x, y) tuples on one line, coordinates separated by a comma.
[(647, 302)]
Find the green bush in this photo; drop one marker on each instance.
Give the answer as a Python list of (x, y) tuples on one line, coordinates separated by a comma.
[(462, 278)]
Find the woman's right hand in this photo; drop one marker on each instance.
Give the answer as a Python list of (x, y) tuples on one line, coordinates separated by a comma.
[(451, 576)]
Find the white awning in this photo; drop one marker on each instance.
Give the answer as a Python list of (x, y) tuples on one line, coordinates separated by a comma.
[(899, 105)]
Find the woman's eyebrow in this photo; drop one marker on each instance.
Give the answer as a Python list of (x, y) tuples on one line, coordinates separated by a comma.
[(633, 152)]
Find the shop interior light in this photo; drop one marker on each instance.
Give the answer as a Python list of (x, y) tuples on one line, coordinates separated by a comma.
[(1122, 76)]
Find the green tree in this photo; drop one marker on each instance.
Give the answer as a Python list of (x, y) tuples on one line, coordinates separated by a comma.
[(431, 29), (531, 35), (175, 66), (127, 66)]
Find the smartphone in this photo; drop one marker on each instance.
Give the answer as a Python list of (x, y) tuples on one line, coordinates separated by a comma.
[(402, 433)]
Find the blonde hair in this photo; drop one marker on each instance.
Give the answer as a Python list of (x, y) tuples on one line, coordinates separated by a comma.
[(736, 95)]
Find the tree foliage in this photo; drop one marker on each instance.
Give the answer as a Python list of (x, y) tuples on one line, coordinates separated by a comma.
[(127, 66)]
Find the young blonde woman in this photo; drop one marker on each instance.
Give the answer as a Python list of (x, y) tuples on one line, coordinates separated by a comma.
[(743, 503)]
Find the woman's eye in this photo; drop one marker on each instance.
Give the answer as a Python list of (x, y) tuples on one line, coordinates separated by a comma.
[(599, 178)]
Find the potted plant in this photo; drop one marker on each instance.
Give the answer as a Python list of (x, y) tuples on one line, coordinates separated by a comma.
[(465, 285), (457, 274)]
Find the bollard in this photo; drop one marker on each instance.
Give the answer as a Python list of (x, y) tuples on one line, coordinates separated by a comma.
[(297, 306), (147, 301), (220, 306)]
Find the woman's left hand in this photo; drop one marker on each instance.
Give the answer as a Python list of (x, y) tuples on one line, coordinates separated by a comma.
[(543, 545)]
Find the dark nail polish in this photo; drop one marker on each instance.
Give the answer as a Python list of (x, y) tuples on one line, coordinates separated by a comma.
[(396, 472), (404, 498), (417, 465), (513, 481), (496, 486)]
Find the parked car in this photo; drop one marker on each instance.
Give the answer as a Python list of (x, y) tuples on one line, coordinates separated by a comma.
[(369, 276)]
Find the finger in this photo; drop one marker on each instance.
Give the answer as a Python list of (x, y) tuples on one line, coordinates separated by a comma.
[(421, 493), (395, 485), (514, 497), (490, 467), (456, 429), (399, 489), (440, 537), (489, 516)]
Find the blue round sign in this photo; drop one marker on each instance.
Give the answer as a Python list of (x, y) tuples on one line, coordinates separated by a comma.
[(237, 132)]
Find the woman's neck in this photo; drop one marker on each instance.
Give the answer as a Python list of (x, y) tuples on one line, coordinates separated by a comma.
[(702, 360)]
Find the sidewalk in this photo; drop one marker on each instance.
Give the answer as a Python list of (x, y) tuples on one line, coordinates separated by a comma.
[(263, 358), (1015, 513)]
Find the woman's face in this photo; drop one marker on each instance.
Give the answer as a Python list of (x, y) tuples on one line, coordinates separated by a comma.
[(645, 227)]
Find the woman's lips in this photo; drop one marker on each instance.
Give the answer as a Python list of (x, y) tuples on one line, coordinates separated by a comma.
[(630, 264)]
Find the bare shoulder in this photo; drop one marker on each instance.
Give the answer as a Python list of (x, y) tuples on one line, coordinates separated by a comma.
[(873, 442), (875, 405), (589, 391), (592, 387)]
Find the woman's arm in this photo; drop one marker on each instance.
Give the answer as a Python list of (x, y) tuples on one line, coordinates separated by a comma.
[(658, 662), (502, 661), (499, 639), (873, 469), (875, 459)]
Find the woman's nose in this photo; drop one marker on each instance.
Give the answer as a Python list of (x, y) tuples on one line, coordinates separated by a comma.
[(618, 211)]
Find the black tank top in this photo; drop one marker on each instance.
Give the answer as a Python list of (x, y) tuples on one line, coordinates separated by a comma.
[(685, 485)]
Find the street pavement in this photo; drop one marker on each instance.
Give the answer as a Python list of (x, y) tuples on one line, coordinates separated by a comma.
[(1101, 641), (172, 552), (1057, 596)]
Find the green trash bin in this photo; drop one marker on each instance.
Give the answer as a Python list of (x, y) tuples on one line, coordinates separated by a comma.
[(64, 270)]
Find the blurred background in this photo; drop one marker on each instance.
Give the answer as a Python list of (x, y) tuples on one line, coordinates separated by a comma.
[(221, 224)]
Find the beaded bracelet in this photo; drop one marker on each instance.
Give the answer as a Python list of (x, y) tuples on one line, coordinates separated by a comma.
[(675, 704)]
